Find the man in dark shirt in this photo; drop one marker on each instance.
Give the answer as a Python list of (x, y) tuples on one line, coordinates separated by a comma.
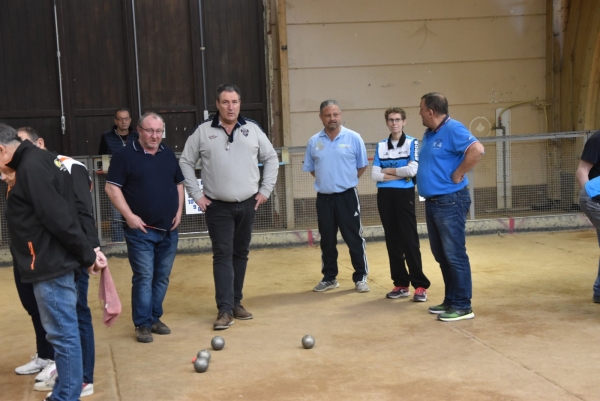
[(119, 135), (111, 142), (588, 169), (145, 184)]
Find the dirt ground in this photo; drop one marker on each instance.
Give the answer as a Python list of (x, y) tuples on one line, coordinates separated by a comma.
[(536, 334)]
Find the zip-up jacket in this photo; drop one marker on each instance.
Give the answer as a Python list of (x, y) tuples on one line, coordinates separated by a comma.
[(230, 170), (111, 142), (82, 185), (47, 239)]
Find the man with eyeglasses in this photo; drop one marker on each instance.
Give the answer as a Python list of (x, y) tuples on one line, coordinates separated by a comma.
[(230, 147), (145, 184), (394, 167), (112, 141), (119, 135)]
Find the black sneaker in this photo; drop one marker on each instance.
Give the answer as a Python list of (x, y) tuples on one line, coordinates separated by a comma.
[(160, 328), (596, 299), (143, 334)]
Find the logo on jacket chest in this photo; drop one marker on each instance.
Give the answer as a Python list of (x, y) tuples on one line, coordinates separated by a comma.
[(244, 131), (212, 136)]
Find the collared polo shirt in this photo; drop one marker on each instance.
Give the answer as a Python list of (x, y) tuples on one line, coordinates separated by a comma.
[(149, 182), (441, 152), (335, 163)]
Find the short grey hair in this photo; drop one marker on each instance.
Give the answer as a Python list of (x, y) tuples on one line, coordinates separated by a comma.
[(149, 114), (328, 102), (8, 134)]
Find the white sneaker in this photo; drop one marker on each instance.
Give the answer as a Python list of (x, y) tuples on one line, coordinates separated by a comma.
[(86, 389), (35, 365), (46, 372), (48, 384)]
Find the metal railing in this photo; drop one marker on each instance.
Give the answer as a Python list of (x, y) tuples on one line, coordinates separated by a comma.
[(528, 175)]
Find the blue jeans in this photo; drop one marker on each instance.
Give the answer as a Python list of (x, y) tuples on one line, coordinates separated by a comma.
[(151, 258), (57, 302), (86, 330), (592, 210), (446, 217)]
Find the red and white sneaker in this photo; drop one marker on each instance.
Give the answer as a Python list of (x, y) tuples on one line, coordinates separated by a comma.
[(420, 295)]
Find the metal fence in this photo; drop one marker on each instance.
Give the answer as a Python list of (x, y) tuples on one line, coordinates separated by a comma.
[(518, 176)]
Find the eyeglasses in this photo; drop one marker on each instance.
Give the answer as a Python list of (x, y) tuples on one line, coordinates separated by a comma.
[(123, 118), (394, 120), (152, 131)]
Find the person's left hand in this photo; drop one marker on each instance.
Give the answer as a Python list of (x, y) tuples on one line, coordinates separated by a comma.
[(176, 221), (260, 199), (457, 178), (101, 262)]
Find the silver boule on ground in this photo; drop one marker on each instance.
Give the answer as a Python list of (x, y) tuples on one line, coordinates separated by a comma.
[(201, 365), (308, 341), (204, 353), (217, 343)]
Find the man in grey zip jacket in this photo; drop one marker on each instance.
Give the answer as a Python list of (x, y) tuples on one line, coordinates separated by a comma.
[(230, 148)]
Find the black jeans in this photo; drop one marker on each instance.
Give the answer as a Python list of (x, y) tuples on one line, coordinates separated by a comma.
[(397, 211), (230, 230), (25, 291), (341, 210)]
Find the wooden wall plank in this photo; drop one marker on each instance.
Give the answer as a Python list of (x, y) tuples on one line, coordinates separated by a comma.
[(415, 42), (377, 87), (316, 12)]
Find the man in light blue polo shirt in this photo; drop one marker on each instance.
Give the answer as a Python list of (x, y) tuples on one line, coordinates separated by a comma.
[(448, 151), (337, 157)]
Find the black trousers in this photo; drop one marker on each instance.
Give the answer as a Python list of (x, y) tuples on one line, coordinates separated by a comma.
[(25, 291), (341, 211), (230, 230), (397, 211)]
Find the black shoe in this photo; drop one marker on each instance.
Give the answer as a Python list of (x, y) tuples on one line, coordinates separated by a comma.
[(143, 334), (160, 328), (596, 299)]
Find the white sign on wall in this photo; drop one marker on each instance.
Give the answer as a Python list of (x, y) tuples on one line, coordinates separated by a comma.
[(190, 205)]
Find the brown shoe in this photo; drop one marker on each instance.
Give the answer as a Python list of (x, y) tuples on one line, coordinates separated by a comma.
[(240, 313), (224, 320)]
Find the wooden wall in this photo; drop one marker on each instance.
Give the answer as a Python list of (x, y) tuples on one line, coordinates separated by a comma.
[(99, 69)]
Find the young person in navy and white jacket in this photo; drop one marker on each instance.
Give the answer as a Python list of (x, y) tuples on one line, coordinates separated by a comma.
[(394, 168)]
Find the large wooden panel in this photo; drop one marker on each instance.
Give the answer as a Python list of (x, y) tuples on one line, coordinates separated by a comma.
[(48, 127), (165, 54), (235, 52), (28, 66), (377, 87), (304, 11), (98, 83), (97, 54), (414, 42)]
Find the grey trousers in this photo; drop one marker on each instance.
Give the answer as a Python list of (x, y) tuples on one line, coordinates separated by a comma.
[(592, 210)]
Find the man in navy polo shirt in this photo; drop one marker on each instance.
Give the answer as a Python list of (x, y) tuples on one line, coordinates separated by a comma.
[(448, 151), (337, 157), (145, 184)]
